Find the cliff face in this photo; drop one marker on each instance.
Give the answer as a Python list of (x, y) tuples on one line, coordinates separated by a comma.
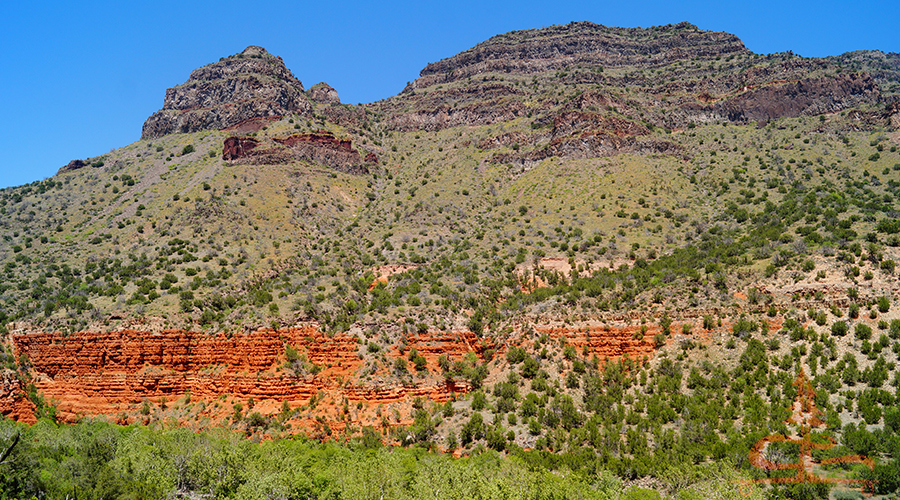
[(579, 43), (805, 97), (320, 147), (251, 84), (118, 373), (634, 81), (710, 76), (472, 105), (114, 373), (13, 402)]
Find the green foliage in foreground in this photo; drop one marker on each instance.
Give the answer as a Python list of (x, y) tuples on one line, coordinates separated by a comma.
[(104, 461)]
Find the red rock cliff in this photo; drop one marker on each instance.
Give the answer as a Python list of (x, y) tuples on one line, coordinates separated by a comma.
[(115, 373), (137, 375)]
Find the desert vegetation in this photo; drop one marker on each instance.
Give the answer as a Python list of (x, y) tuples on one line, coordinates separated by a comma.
[(598, 280)]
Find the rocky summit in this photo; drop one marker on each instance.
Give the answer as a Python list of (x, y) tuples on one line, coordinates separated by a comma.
[(617, 252), (251, 84)]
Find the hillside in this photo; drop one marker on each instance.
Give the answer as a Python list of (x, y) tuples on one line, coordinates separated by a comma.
[(623, 242)]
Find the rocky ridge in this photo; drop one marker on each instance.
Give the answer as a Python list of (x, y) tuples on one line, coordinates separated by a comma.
[(248, 85), (533, 51), (669, 77), (322, 93)]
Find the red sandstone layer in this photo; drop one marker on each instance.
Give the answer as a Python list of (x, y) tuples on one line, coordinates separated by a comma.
[(110, 373), (202, 377)]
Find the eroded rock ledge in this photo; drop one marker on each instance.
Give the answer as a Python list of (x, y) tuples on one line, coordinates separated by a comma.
[(119, 373), (320, 147)]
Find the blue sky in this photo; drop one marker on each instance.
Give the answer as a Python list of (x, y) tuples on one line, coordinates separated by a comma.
[(79, 78)]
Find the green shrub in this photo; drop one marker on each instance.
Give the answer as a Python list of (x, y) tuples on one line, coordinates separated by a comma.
[(516, 355), (479, 400), (863, 332), (291, 354), (839, 328)]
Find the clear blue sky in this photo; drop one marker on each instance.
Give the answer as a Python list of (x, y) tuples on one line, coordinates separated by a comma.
[(79, 78)]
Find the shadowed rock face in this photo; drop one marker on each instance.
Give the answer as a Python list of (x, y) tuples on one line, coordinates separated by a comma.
[(251, 84), (72, 166), (812, 96)]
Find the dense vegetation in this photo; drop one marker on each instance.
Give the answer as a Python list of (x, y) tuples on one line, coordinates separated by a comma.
[(98, 460)]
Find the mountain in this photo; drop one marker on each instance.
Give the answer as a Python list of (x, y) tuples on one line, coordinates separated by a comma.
[(577, 233), (252, 84)]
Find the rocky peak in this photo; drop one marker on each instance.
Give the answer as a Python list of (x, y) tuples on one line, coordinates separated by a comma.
[(248, 85), (322, 93), (255, 51)]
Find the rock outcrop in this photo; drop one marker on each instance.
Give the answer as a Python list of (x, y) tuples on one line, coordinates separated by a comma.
[(238, 147), (605, 341), (251, 84), (533, 51), (118, 372), (578, 134), (807, 97), (320, 147), (709, 77), (322, 93), (324, 148), (483, 104), (892, 115), (13, 402), (110, 373), (72, 166)]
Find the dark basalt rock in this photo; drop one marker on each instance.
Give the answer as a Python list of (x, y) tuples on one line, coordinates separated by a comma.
[(809, 97), (72, 165), (249, 85), (548, 49), (320, 147)]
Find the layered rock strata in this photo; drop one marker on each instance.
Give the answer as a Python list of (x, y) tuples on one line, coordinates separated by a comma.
[(580, 43), (248, 85), (116, 373), (320, 147), (13, 401), (90, 373)]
